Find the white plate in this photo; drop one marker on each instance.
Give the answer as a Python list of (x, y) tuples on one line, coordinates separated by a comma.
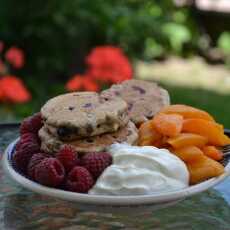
[(155, 200)]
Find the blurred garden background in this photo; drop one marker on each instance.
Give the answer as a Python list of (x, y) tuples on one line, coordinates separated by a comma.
[(52, 47)]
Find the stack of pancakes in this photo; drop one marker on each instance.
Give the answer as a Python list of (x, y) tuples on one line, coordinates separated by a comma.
[(90, 122)]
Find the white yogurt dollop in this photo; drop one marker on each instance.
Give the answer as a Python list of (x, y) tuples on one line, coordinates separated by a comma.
[(141, 171)]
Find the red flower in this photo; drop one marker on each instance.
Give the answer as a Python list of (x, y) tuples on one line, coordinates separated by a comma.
[(15, 57), (12, 89), (1, 46), (89, 84), (80, 82), (1, 95), (75, 83), (108, 64)]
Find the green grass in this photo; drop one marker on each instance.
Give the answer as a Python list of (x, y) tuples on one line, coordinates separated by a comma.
[(216, 104)]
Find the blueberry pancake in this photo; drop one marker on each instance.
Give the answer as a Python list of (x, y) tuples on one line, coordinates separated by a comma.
[(144, 98), (82, 114), (52, 144)]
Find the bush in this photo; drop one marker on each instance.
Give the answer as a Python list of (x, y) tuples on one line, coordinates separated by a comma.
[(57, 35)]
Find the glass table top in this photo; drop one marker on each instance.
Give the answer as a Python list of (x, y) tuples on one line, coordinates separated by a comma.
[(23, 209)]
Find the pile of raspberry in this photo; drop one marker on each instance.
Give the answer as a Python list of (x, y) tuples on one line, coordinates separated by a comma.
[(66, 169)]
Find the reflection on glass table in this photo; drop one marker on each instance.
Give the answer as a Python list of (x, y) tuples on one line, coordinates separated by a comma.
[(22, 209)]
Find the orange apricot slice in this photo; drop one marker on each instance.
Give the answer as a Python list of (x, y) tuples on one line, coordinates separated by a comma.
[(168, 124), (187, 112), (211, 130), (226, 139), (213, 152), (204, 169), (189, 153), (148, 134), (187, 139)]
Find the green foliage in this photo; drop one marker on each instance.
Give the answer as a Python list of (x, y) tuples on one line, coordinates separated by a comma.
[(153, 49), (177, 35), (224, 42), (57, 35)]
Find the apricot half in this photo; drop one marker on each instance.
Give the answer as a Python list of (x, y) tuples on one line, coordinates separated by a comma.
[(204, 169), (168, 124), (211, 130), (187, 139), (148, 134), (213, 152), (189, 153), (187, 112)]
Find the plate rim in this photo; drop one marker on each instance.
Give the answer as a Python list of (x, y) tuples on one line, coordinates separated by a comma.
[(152, 199)]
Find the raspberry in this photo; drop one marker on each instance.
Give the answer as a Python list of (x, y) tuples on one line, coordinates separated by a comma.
[(49, 172), (79, 180), (31, 124), (68, 157), (96, 163), (24, 152), (35, 160), (28, 138)]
